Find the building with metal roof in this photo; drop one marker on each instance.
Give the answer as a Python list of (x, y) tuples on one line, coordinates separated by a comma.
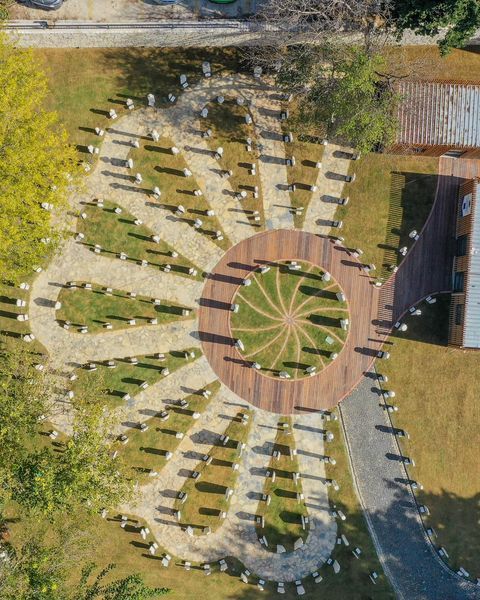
[(464, 326), (436, 118)]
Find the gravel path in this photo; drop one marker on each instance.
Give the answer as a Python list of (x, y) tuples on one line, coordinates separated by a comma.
[(409, 560)]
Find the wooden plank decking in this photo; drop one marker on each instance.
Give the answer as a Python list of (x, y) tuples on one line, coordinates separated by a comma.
[(329, 386), (427, 268)]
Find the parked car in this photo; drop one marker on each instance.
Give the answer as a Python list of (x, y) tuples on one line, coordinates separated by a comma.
[(46, 4)]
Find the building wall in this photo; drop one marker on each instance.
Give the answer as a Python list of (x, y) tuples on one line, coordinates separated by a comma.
[(431, 150), (461, 263)]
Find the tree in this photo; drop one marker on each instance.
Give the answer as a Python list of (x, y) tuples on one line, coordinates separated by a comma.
[(84, 473), (36, 568), (131, 587), (352, 97), (461, 18), (35, 163), (343, 92), (25, 394)]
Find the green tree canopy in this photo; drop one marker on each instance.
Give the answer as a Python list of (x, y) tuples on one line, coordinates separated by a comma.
[(460, 18), (24, 397), (41, 568), (83, 471), (35, 163), (342, 92)]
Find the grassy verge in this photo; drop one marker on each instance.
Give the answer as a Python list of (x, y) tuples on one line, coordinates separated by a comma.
[(126, 378), (262, 322), (146, 451), (159, 167), (391, 196), (85, 83), (206, 496), (438, 407), (230, 131), (427, 63), (94, 308), (354, 572), (283, 524), (116, 233), (303, 174)]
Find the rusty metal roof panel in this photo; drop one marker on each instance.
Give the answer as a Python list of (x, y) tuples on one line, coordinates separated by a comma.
[(439, 114)]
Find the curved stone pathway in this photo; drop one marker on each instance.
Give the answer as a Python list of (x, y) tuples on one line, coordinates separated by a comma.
[(408, 557), (330, 186), (68, 348), (237, 536)]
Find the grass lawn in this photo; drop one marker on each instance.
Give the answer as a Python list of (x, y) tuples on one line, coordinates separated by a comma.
[(206, 496), (282, 516), (145, 451), (126, 378), (94, 308), (289, 320), (159, 167), (85, 83), (129, 552), (391, 196), (460, 65), (230, 131), (303, 174), (354, 572), (437, 396), (117, 233)]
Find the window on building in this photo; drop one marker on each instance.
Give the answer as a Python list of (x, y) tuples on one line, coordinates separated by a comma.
[(461, 245), (467, 205), (454, 153), (459, 309), (459, 281)]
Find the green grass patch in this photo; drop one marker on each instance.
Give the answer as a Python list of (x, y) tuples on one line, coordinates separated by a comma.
[(303, 174), (126, 377), (86, 82), (206, 496), (116, 233), (391, 196), (94, 309), (438, 407), (159, 167), (289, 320), (283, 524), (146, 451), (354, 572), (230, 131)]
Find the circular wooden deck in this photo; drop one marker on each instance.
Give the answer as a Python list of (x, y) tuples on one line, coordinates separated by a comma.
[(328, 387)]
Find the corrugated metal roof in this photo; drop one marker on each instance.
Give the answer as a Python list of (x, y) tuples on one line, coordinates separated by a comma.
[(439, 114), (471, 330)]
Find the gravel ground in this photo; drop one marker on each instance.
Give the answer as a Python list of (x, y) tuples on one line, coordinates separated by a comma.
[(131, 10), (413, 568)]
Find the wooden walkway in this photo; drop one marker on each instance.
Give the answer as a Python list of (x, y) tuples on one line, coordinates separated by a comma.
[(329, 386), (427, 268)]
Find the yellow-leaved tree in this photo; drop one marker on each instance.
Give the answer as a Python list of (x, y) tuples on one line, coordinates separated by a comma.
[(37, 164)]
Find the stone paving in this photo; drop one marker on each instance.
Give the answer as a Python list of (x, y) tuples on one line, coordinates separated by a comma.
[(408, 558), (237, 535), (330, 183), (68, 349), (110, 180)]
